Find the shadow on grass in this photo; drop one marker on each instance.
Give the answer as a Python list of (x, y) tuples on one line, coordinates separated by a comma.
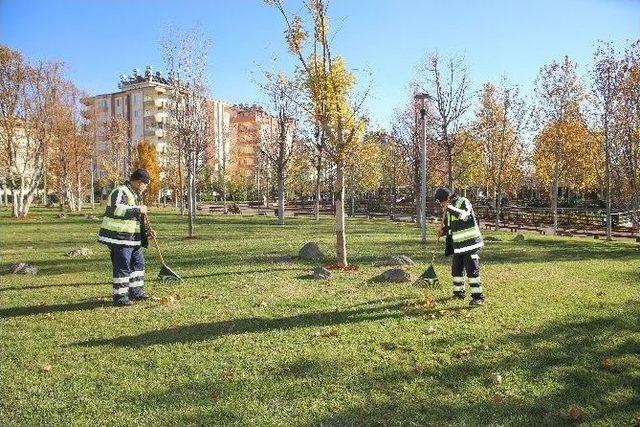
[(42, 309), (59, 285), (568, 362), (212, 330)]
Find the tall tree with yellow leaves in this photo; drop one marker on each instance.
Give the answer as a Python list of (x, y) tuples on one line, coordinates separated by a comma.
[(560, 97), (329, 86), (501, 120), (147, 158)]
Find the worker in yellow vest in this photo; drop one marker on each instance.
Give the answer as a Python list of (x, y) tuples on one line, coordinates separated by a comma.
[(122, 231), (464, 240)]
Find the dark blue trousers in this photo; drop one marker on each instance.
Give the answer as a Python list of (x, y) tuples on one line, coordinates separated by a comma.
[(128, 272)]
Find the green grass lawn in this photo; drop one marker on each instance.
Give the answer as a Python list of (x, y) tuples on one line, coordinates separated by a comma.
[(252, 341)]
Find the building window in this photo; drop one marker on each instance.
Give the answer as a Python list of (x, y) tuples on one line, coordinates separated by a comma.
[(118, 102), (103, 103), (136, 113)]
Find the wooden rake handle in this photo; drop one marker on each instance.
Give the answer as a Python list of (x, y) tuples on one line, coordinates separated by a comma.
[(148, 226)]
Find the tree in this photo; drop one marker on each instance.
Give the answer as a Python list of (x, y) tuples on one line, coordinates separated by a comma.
[(606, 91), (500, 122), (626, 150), (277, 138), (70, 149), (28, 96), (560, 95), (364, 167), (116, 132), (329, 87), (396, 166), (186, 53), (147, 158), (449, 91)]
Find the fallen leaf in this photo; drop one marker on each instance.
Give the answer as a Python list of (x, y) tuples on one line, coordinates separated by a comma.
[(331, 332), (465, 352), (430, 330), (608, 364), (575, 413), (167, 300), (48, 315), (498, 399), (47, 367)]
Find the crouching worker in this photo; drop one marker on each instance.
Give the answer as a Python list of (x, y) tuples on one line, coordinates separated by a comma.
[(463, 242), (124, 232)]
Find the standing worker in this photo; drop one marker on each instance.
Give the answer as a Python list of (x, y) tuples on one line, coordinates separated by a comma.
[(463, 242), (121, 230)]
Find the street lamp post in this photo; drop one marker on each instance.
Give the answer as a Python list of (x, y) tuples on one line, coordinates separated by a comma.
[(423, 164)]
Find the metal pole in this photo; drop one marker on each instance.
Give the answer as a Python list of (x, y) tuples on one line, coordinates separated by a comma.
[(423, 173)]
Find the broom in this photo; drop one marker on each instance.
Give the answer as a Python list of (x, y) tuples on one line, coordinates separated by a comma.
[(166, 274)]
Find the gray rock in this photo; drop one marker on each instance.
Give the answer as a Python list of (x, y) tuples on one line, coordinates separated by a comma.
[(311, 252), (396, 275), (80, 252), (22, 268), (394, 260), (518, 238), (321, 273)]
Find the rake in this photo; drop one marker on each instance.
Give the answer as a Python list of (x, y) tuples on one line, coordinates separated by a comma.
[(166, 274), (429, 278)]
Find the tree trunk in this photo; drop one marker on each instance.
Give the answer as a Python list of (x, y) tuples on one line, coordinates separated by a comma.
[(192, 194), (341, 237), (496, 204), (280, 194), (554, 200), (316, 208), (607, 172), (16, 203), (450, 167), (353, 203)]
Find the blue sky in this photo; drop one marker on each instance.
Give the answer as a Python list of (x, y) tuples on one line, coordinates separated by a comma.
[(385, 40)]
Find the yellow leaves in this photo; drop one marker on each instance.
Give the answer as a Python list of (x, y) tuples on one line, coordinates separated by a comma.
[(364, 165), (570, 146), (148, 159), (47, 367), (296, 35)]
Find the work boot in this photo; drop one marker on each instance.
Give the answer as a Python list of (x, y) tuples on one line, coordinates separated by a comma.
[(137, 294), (476, 302), (458, 294)]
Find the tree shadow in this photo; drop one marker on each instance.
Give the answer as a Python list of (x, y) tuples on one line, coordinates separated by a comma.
[(41, 309), (567, 362), (62, 285), (212, 330)]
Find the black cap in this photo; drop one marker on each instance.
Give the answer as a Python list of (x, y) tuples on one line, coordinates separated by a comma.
[(140, 175), (443, 194)]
